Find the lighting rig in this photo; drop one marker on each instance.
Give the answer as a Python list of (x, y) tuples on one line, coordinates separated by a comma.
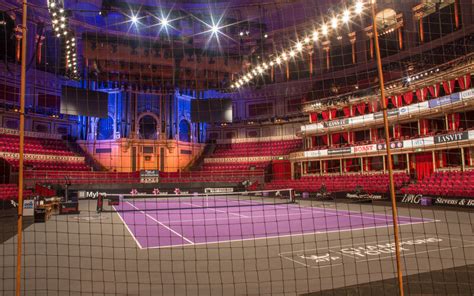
[(59, 20)]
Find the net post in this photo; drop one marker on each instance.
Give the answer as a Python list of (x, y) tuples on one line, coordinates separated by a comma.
[(100, 203), (388, 150)]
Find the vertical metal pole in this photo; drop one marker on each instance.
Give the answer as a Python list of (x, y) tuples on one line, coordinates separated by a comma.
[(389, 154), (21, 148)]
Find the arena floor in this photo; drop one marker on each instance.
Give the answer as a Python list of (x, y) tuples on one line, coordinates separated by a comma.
[(286, 249)]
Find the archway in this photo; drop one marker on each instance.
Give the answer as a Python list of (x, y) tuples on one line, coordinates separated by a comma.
[(184, 131), (105, 128), (147, 127)]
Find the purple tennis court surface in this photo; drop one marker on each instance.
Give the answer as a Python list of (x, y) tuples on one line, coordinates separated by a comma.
[(190, 221)]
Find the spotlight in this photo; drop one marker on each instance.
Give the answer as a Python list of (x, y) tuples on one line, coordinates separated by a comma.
[(134, 19), (58, 35), (265, 36), (254, 72), (63, 19), (56, 29), (52, 4), (55, 21), (359, 7), (215, 29), (241, 33), (292, 53), (284, 56), (306, 40), (265, 66), (324, 29), (61, 10), (334, 22), (299, 46), (315, 35), (62, 26), (65, 33), (345, 16), (278, 61), (164, 22)]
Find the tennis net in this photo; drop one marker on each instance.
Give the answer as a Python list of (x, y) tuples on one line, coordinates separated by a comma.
[(179, 201)]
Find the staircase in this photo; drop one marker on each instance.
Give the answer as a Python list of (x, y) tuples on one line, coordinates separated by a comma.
[(89, 160), (196, 164)]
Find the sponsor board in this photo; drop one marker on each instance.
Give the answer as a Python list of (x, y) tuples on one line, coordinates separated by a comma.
[(421, 142), (439, 102), (218, 190), (28, 207), (334, 123), (420, 199), (363, 252), (451, 137), (393, 145), (89, 194), (311, 127), (315, 153), (365, 196), (149, 176), (342, 150), (448, 201), (467, 94), (391, 112), (364, 148)]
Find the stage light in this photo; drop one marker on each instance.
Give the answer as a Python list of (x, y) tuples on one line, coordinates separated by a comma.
[(284, 56), (359, 7), (265, 66), (73, 39), (241, 33), (324, 29), (334, 23), (278, 61), (62, 26), (65, 33), (52, 4), (272, 63), (134, 19), (164, 22), (254, 72), (54, 13), (63, 19), (265, 36), (306, 40), (58, 35), (346, 16), (299, 46), (292, 53), (260, 69), (56, 29), (315, 35), (55, 21), (215, 29)]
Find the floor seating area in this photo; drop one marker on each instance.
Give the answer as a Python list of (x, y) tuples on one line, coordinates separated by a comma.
[(375, 183), (10, 192), (451, 183), (11, 143), (271, 148)]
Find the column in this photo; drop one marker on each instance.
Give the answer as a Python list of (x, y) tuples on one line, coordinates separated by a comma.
[(463, 167), (326, 48), (456, 13), (352, 39), (408, 163), (400, 38)]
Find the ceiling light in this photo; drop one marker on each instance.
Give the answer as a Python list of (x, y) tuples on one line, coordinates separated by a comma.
[(315, 35), (324, 29), (359, 7), (346, 16)]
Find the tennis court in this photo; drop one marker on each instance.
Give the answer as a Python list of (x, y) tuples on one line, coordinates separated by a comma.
[(190, 220)]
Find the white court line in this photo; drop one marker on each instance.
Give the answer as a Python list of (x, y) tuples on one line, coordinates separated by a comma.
[(126, 226), (248, 217), (219, 211), (337, 212), (286, 235), (165, 226)]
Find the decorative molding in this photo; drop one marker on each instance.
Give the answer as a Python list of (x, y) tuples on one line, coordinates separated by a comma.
[(43, 157), (7, 131)]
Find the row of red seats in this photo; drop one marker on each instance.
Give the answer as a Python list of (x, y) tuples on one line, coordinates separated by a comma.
[(272, 148), (234, 166), (10, 143), (376, 183), (50, 165), (10, 192), (78, 177), (453, 183)]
